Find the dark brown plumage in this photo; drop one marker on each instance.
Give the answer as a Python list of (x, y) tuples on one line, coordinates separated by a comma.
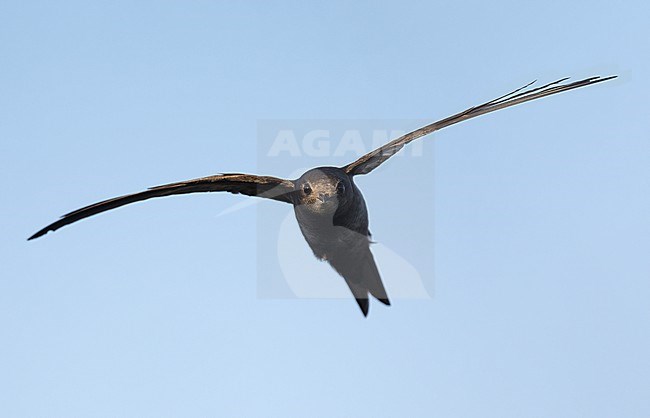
[(247, 184), (329, 208)]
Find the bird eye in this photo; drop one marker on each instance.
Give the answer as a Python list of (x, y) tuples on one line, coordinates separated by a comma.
[(306, 189), (340, 187)]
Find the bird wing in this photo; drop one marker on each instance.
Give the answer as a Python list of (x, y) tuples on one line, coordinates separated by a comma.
[(250, 185), (373, 159)]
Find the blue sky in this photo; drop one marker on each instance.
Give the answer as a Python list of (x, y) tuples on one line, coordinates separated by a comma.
[(533, 220)]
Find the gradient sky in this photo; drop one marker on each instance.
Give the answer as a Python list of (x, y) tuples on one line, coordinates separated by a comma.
[(533, 220)]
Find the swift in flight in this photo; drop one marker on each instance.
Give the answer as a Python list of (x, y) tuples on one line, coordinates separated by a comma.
[(330, 209)]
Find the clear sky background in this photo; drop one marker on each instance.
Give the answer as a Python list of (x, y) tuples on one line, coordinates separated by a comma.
[(540, 306)]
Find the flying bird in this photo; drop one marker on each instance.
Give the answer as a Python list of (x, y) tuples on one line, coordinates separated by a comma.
[(328, 206)]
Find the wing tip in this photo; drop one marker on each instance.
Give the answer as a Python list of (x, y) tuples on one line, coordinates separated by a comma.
[(38, 234), (609, 77)]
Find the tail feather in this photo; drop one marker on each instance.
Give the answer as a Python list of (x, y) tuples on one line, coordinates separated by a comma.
[(372, 279), (364, 305), (362, 277)]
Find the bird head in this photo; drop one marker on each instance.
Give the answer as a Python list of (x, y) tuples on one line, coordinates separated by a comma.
[(322, 190)]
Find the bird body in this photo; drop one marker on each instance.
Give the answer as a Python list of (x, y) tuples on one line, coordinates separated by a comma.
[(333, 218), (329, 207)]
